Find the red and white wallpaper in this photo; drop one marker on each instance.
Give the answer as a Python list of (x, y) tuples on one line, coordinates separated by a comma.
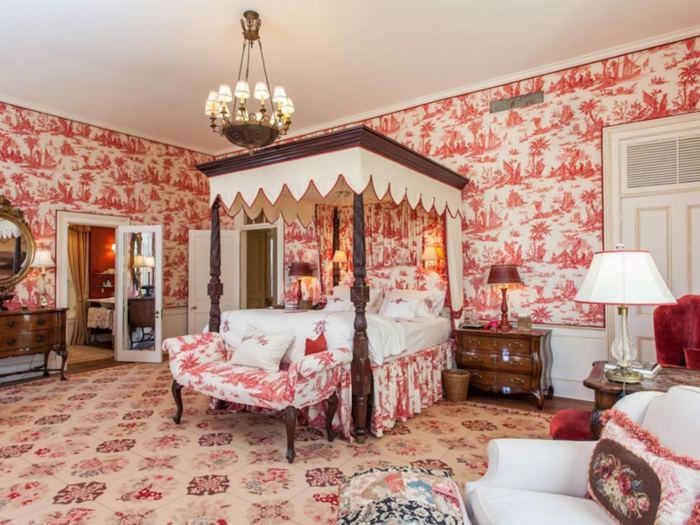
[(535, 197), (49, 164)]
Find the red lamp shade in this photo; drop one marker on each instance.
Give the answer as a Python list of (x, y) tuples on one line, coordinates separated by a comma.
[(504, 274), (300, 269)]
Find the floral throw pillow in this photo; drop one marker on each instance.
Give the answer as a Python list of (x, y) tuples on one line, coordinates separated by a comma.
[(640, 482)]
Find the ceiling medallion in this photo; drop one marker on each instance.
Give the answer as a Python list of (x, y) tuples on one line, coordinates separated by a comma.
[(243, 127)]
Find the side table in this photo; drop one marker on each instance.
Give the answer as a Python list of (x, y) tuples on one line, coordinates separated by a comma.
[(607, 393)]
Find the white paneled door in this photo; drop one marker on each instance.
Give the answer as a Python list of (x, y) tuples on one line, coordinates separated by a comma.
[(668, 225), (198, 299)]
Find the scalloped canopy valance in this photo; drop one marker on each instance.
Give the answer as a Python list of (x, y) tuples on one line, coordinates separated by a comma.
[(291, 178)]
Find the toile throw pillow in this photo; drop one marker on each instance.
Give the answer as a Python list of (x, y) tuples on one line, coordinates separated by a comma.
[(637, 481)]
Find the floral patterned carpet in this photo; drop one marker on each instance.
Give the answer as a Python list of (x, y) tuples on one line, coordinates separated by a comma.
[(101, 448)]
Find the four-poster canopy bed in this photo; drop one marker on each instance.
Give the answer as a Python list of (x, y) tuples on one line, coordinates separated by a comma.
[(355, 165)]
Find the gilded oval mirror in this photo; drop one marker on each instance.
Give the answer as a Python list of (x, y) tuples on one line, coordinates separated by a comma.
[(17, 245)]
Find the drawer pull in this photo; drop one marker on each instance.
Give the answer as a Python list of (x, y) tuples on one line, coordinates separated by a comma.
[(494, 344), (475, 359), (515, 344), (517, 381), (11, 341), (474, 341), (39, 338), (477, 375), (517, 362), (12, 324), (41, 320)]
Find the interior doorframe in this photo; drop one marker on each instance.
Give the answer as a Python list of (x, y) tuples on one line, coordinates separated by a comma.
[(613, 137), (279, 225), (63, 220)]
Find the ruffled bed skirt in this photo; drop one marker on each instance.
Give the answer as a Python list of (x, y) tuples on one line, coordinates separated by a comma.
[(404, 387), (401, 389)]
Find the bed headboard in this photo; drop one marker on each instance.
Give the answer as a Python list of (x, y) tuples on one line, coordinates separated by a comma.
[(401, 278)]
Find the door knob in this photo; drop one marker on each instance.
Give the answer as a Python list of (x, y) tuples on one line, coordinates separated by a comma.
[(193, 308)]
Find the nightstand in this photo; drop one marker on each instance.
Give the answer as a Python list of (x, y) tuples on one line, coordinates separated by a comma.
[(510, 362)]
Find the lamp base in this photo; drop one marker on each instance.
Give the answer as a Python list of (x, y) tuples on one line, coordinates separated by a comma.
[(623, 375)]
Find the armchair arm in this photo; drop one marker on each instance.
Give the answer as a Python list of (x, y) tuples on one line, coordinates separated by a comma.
[(190, 351), (311, 364), (635, 405), (558, 467)]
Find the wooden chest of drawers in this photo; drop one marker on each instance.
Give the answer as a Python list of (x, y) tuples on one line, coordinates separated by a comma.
[(509, 362), (31, 332)]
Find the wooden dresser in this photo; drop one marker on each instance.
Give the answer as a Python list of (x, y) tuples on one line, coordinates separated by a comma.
[(31, 332), (510, 362)]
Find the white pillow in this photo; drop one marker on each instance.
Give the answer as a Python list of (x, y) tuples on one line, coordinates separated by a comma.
[(400, 307), (337, 304), (261, 350), (375, 297), (430, 301)]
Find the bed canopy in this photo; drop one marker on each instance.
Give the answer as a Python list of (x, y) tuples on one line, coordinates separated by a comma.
[(352, 167)]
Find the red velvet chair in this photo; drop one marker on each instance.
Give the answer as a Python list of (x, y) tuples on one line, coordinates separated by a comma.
[(677, 327)]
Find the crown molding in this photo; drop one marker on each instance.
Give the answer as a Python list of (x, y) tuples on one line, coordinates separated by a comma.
[(638, 45), (596, 56), (100, 124)]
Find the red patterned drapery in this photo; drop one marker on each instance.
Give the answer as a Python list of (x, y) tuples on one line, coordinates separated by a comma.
[(395, 236)]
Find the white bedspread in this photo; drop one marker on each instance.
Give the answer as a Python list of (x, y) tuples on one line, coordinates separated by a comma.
[(386, 337)]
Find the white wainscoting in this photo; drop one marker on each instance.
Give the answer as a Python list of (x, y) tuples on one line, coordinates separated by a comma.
[(575, 350)]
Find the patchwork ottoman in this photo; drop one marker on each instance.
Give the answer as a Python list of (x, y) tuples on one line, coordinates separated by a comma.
[(401, 496)]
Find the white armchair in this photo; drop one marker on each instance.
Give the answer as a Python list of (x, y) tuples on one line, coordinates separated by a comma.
[(541, 482)]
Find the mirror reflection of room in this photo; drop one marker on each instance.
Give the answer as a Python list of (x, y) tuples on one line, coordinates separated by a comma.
[(140, 307), (13, 249)]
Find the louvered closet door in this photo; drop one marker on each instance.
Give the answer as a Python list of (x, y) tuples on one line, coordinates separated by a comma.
[(660, 212)]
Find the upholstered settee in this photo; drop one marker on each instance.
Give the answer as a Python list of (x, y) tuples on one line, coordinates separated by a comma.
[(677, 328), (545, 482), (200, 362)]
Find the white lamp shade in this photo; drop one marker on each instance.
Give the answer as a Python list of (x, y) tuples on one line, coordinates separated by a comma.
[(242, 90), (288, 107), (42, 259), (624, 277), (340, 257), (139, 261), (224, 93), (429, 254), (149, 261), (261, 92), (280, 95)]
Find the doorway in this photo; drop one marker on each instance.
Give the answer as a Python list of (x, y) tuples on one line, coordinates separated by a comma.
[(261, 263), (85, 274)]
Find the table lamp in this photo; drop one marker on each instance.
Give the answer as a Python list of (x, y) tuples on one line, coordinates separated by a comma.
[(42, 260), (140, 262), (339, 257), (430, 255), (624, 278), (503, 275), (300, 270)]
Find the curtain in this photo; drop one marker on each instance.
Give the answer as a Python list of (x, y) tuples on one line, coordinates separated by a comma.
[(79, 260), (394, 235)]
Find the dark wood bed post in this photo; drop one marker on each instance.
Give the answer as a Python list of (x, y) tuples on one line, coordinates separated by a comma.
[(215, 288), (336, 245), (361, 371)]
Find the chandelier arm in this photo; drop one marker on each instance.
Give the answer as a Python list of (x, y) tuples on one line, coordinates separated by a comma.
[(267, 80)]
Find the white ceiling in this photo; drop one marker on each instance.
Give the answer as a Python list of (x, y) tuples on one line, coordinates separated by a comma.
[(146, 66)]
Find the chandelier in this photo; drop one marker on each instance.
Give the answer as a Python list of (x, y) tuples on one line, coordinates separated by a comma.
[(242, 126)]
